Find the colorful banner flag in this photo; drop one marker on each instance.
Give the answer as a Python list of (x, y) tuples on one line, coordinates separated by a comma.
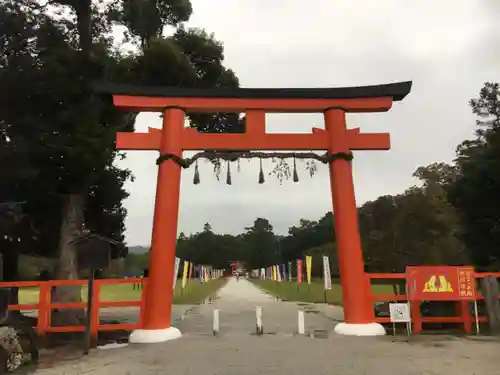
[(185, 274), (278, 273), (327, 276), (308, 268), (176, 271), (191, 265), (299, 271), (283, 266), (290, 271)]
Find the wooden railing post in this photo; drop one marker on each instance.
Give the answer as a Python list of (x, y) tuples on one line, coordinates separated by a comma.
[(143, 302), (416, 317), (464, 312), (369, 289), (44, 309), (94, 314)]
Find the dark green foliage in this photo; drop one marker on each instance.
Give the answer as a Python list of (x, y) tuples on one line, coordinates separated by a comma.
[(476, 190), (62, 136)]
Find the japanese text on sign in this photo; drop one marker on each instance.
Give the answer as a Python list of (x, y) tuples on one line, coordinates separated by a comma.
[(441, 283), (466, 286)]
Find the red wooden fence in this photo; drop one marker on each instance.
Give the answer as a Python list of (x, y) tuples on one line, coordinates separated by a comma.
[(44, 306), (463, 316)]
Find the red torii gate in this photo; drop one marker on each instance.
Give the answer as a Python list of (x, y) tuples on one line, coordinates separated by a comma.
[(174, 138), (234, 264)]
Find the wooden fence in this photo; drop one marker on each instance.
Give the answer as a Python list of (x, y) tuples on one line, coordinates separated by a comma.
[(45, 306), (463, 312)]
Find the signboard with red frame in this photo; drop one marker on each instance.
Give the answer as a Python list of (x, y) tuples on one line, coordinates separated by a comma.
[(440, 283)]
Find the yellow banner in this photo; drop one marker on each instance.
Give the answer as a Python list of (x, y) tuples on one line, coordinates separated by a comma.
[(185, 274), (308, 268)]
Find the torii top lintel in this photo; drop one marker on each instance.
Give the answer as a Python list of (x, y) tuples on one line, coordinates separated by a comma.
[(256, 103), (376, 98)]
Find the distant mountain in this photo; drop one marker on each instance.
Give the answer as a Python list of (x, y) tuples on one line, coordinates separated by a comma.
[(138, 249)]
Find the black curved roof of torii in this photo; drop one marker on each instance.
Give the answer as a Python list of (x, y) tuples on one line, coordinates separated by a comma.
[(396, 90)]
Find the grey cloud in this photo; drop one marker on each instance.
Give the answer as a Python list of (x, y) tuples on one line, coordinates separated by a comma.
[(448, 48)]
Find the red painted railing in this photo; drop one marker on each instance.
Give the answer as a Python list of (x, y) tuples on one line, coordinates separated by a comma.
[(44, 306), (463, 316)]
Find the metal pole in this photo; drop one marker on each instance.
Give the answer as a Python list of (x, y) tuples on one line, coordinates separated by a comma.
[(476, 316), (408, 301)]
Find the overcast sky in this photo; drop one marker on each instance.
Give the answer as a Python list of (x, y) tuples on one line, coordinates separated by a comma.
[(447, 47)]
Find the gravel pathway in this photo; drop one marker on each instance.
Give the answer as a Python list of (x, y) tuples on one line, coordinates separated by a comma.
[(237, 350)]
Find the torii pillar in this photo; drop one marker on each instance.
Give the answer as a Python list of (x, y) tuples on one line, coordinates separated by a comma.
[(174, 138)]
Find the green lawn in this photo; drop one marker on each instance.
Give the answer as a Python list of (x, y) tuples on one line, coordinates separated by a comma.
[(314, 292), (194, 293)]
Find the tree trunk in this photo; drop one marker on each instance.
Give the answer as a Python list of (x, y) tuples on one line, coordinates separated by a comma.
[(489, 288), (10, 266), (84, 22), (73, 205), (67, 268)]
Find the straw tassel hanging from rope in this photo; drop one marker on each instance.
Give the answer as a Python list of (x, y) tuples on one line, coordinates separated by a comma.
[(295, 174), (228, 177), (261, 174), (196, 178)]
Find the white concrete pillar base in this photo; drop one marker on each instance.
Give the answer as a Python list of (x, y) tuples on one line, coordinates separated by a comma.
[(368, 329), (153, 336)]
